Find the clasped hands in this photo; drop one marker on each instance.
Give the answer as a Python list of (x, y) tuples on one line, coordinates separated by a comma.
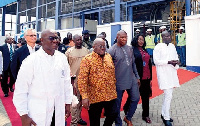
[(173, 62)]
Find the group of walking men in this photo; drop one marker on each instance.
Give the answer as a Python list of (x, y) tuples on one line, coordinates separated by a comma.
[(43, 90)]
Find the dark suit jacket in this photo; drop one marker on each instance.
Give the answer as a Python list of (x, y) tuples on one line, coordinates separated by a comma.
[(139, 62), (19, 55), (6, 56)]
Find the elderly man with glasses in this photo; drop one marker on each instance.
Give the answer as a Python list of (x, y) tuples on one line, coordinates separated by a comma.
[(27, 49)]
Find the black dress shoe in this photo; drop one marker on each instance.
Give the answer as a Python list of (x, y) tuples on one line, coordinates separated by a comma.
[(82, 122), (146, 119), (171, 120), (167, 123), (11, 89), (5, 95)]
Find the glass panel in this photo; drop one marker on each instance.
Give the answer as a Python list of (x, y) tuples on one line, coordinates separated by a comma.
[(77, 22), (107, 16), (22, 5), (22, 17), (7, 26), (67, 6), (14, 18), (66, 23), (51, 9), (31, 13)]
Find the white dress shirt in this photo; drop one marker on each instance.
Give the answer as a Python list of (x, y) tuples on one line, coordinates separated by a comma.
[(31, 50)]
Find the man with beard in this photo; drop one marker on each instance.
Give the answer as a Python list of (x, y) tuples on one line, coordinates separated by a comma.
[(74, 56), (43, 90), (166, 61)]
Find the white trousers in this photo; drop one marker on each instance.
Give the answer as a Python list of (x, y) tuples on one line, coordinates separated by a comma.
[(166, 103)]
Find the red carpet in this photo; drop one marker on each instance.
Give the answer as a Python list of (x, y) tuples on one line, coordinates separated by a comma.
[(15, 119)]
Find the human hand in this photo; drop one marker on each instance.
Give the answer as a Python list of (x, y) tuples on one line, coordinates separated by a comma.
[(74, 91), (67, 111), (138, 80), (86, 103), (173, 62), (27, 121)]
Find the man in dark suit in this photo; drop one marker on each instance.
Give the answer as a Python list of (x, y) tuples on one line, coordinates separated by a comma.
[(7, 52), (21, 53)]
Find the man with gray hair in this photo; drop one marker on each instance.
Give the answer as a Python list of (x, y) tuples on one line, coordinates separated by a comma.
[(74, 56), (27, 49)]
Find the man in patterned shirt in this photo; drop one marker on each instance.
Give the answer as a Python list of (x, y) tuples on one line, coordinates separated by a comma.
[(96, 83)]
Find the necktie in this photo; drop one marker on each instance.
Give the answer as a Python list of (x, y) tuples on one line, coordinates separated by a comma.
[(11, 52), (126, 56)]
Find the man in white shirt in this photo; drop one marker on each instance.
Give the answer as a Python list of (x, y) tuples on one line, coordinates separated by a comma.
[(21, 53), (166, 61), (43, 90)]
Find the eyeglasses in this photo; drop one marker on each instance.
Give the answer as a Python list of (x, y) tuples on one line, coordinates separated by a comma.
[(101, 46), (51, 38), (32, 35)]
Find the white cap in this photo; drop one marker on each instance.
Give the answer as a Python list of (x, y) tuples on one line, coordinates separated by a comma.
[(181, 28), (163, 27), (138, 30), (149, 29)]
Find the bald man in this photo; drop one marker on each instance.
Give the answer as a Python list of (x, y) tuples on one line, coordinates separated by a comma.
[(74, 56), (126, 75), (96, 83), (166, 61), (44, 84), (7, 50)]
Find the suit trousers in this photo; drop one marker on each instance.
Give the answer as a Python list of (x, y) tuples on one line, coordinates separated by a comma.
[(96, 109), (166, 103), (4, 83), (134, 95)]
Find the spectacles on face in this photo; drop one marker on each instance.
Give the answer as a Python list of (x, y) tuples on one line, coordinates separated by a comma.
[(51, 38), (32, 35), (101, 46)]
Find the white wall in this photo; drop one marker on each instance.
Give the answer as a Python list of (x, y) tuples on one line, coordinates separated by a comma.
[(107, 29), (192, 28)]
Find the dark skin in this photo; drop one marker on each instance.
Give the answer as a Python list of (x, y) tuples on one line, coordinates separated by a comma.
[(167, 39), (69, 36), (99, 48), (78, 41), (78, 45), (121, 41), (49, 47), (86, 37)]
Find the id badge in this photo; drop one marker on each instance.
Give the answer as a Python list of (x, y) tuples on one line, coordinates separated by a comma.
[(144, 63)]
